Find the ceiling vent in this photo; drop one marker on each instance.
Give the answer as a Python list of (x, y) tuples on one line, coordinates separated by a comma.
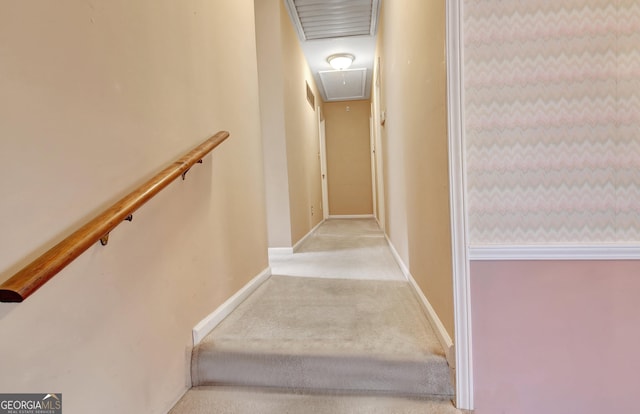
[(326, 19)]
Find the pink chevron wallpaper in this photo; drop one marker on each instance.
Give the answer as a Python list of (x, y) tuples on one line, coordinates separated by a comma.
[(552, 108)]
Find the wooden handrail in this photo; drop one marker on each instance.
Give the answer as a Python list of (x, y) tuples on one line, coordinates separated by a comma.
[(37, 273)]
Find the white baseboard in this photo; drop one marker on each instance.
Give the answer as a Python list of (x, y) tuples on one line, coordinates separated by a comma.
[(352, 216), (182, 394), (396, 255), (436, 323), (613, 251), (274, 251), (306, 236), (212, 320), (280, 250), (441, 332)]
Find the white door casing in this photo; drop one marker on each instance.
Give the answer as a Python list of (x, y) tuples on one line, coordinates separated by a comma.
[(374, 178), (323, 166), (457, 192), (379, 151)]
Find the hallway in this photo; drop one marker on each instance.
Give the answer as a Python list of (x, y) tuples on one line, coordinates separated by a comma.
[(349, 336), (505, 153)]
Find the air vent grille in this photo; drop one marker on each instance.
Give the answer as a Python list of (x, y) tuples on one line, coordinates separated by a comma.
[(325, 19)]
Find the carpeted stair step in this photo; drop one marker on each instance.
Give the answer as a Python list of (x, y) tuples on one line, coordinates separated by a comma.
[(326, 334), (235, 400)]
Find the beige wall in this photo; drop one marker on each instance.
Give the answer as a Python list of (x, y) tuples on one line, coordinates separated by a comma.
[(413, 82), (348, 157), (302, 135), (96, 98), (294, 189), (271, 80)]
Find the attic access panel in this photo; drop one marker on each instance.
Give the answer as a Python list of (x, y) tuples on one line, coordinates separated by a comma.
[(340, 85)]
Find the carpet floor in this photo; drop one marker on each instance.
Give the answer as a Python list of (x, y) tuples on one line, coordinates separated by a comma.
[(350, 249), (308, 333), (337, 329), (229, 400)]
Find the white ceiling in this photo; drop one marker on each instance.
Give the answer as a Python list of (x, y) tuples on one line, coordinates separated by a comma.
[(327, 27)]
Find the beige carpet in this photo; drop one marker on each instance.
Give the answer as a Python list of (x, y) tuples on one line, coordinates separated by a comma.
[(350, 249), (329, 334), (225, 400), (346, 337)]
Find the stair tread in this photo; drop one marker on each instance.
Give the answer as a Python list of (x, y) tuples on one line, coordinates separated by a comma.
[(329, 315), (235, 400), (319, 333)]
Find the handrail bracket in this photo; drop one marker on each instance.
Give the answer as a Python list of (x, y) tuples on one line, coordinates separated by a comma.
[(184, 174), (104, 240)]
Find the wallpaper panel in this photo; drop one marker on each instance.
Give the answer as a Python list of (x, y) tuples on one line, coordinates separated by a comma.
[(552, 121)]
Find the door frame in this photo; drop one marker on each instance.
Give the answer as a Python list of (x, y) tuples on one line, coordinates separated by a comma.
[(323, 164), (457, 197), (374, 155), (377, 128)]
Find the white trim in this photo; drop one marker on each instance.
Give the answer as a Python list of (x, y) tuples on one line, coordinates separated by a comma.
[(441, 332), (379, 148), (396, 255), (443, 336), (457, 196), (352, 216), (275, 251), (555, 252), (293, 14), (372, 155), (306, 236), (212, 320), (322, 136), (375, 15), (280, 250), (184, 392)]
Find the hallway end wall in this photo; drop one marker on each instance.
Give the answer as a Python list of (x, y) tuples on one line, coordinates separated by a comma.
[(412, 77), (348, 157), (96, 98)]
